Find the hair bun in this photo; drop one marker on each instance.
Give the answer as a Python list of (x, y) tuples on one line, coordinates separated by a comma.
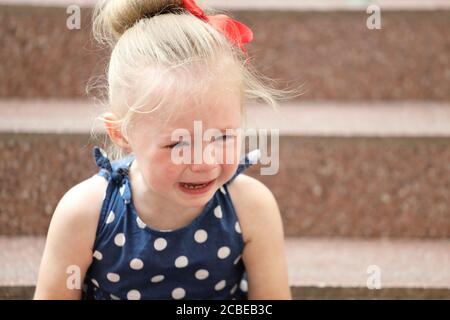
[(112, 18)]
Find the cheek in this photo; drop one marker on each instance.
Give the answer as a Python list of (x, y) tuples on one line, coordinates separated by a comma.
[(228, 171), (171, 172), (163, 173)]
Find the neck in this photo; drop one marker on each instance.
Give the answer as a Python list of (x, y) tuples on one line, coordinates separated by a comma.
[(155, 210)]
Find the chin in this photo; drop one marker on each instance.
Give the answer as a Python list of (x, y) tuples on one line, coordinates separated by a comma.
[(197, 200)]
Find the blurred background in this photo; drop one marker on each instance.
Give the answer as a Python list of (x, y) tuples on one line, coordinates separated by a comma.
[(364, 179)]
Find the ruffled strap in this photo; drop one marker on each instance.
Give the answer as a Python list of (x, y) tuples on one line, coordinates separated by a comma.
[(102, 160), (118, 176)]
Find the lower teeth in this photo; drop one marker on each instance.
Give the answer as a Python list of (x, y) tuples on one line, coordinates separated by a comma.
[(189, 186)]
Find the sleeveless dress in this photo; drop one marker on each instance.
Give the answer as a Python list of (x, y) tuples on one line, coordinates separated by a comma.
[(131, 260)]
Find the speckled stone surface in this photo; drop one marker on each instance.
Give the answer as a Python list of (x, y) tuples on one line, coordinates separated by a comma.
[(36, 171), (323, 262), (332, 53), (305, 118), (364, 187), (42, 57), (318, 268), (324, 5), (340, 187), (20, 258)]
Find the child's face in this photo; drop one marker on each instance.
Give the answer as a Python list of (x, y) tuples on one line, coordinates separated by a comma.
[(153, 147)]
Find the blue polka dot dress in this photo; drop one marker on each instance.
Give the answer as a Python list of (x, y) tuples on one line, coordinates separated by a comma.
[(131, 260)]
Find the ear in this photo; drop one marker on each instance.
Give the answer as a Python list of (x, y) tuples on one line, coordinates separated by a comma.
[(112, 127)]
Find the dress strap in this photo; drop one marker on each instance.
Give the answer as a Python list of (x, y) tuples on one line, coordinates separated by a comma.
[(118, 176), (102, 160)]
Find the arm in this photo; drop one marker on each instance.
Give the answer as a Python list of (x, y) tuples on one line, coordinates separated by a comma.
[(264, 254), (70, 240)]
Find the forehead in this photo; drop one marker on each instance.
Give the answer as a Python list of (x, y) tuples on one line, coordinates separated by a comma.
[(213, 97), (215, 108), (219, 110)]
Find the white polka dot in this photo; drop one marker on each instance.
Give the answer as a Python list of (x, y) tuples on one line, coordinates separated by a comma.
[(237, 259), (114, 297), (110, 218), (133, 295), (178, 293), (136, 264), (223, 190), (233, 290), (95, 282), (237, 227), (223, 252), (113, 277), (253, 156), (200, 236), (181, 262), (244, 285), (202, 274), (140, 223), (220, 285), (218, 212), (119, 239), (97, 255), (122, 190), (157, 278), (160, 244)]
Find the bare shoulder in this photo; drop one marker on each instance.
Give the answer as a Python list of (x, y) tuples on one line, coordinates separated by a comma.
[(264, 253), (82, 203), (70, 238), (88, 193), (255, 205), (77, 213)]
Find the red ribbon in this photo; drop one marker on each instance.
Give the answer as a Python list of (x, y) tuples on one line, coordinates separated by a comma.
[(236, 32)]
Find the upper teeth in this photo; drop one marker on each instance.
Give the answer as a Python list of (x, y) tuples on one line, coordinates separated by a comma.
[(190, 186)]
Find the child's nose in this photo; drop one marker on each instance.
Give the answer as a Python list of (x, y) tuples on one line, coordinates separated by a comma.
[(202, 167), (207, 162)]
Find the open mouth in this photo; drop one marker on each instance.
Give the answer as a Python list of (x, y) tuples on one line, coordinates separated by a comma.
[(196, 187)]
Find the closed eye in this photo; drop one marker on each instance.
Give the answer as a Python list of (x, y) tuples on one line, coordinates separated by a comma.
[(183, 143), (225, 137), (177, 144)]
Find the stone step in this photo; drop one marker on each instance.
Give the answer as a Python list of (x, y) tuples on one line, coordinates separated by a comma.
[(319, 268), (326, 47), (325, 5), (326, 186), (325, 118), (383, 172), (305, 118)]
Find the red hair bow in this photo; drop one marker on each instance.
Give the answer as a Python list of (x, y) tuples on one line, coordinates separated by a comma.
[(236, 32)]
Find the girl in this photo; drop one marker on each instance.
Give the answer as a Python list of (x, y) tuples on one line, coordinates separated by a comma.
[(145, 227)]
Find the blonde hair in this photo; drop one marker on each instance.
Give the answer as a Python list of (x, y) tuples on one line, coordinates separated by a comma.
[(178, 49)]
